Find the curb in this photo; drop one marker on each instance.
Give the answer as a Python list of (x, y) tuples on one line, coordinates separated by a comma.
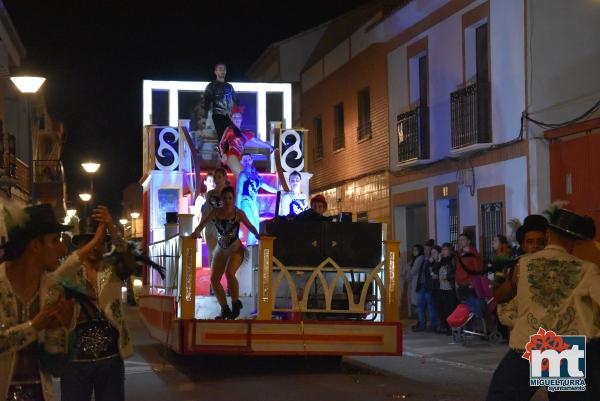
[(411, 354)]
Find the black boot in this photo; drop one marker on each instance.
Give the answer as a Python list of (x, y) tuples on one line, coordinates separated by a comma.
[(237, 307), (225, 313)]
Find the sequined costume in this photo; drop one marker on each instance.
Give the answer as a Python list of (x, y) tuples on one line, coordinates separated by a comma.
[(249, 183), (213, 201), (18, 337), (232, 143), (102, 336), (228, 242)]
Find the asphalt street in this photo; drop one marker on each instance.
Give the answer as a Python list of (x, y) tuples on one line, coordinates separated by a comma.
[(430, 369)]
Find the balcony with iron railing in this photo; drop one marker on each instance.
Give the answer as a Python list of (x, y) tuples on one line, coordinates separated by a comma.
[(413, 135), (470, 116), (9, 160), (49, 183), (363, 131)]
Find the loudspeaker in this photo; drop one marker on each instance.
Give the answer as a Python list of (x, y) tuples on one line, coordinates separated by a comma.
[(309, 243), (296, 244)]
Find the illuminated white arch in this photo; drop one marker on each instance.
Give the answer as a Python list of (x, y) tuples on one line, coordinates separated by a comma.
[(261, 90)]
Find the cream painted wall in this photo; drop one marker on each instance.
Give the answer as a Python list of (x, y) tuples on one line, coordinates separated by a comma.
[(510, 173), (445, 54)]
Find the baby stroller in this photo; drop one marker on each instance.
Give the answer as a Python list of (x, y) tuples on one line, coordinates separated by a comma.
[(475, 316)]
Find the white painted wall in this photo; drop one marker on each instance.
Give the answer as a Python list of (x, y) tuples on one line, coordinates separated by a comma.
[(407, 16), (294, 52), (512, 173), (564, 54), (445, 55), (507, 66)]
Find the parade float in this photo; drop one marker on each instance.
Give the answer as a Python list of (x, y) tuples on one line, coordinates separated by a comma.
[(308, 288)]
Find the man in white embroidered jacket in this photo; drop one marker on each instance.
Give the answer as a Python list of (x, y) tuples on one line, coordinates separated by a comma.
[(33, 313), (555, 291), (102, 338)]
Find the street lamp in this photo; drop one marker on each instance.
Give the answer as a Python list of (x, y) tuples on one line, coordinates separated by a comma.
[(134, 215), (123, 221), (29, 84), (91, 168), (85, 197)]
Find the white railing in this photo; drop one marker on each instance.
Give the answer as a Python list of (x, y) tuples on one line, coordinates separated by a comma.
[(166, 253)]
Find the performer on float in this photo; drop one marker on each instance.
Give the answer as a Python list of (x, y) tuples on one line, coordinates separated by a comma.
[(213, 201), (295, 201), (234, 140), (219, 97), (248, 184), (229, 252)]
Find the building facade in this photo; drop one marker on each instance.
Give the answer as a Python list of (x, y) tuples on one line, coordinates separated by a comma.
[(456, 83), (564, 93), (419, 114), (30, 139), (344, 106)]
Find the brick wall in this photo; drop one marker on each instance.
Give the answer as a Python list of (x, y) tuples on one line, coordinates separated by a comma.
[(369, 194), (357, 159)]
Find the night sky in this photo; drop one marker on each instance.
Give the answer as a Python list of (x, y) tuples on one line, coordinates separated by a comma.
[(95, 55)]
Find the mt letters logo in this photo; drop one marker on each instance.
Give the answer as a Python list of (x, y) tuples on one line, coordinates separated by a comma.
[(556, 362)]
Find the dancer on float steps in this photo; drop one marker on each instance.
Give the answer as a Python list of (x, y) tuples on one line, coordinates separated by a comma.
[(234, 141), (213, 201), (229, 252)]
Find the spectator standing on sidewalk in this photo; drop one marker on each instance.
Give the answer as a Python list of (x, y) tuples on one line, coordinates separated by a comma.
[(425, 304), (414, 268), (447, 291)]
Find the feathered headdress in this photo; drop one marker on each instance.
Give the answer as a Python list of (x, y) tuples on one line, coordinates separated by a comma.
[(553, 208), (11, 216), (514, 225), (140, 259)]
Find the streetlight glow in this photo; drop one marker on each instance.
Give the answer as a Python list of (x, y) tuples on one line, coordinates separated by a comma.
[(85, 197), (90, 167), (134, 215), (28, 84), (123, 221)]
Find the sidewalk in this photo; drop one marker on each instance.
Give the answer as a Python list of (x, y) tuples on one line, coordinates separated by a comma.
[(429, 357), (477, 355)]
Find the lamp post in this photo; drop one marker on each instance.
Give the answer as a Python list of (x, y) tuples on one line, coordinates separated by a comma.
[(28, 85), (123, 224), (85, 198), (134, 215), (91, 168)]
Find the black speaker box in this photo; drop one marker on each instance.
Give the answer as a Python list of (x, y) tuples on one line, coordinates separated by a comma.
[(309, 243)]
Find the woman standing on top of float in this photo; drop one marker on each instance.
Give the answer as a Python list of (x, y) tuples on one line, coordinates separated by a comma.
[(229, 252)]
